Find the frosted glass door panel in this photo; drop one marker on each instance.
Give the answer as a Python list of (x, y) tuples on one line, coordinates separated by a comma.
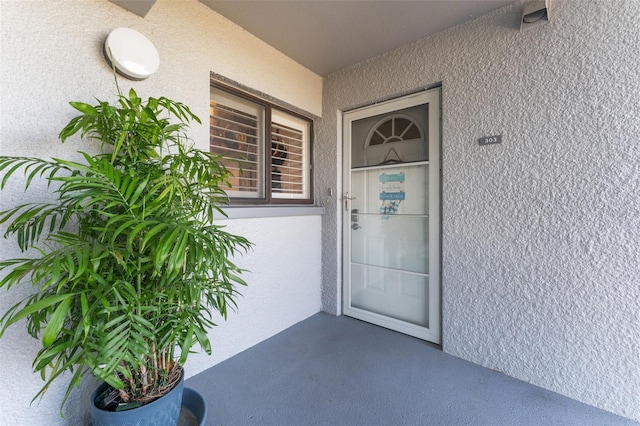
[(390, 241), (395, 294), (409, 182), (390, 225), (396, 241)]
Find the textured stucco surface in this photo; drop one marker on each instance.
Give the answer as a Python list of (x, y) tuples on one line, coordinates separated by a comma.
[(50, 54), (540, 252)]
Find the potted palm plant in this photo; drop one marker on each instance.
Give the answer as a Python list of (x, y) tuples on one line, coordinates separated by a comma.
[(127, 264)]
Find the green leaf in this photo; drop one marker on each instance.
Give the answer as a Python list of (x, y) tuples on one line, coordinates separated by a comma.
[(84, 108), (86, 320), (32, 308), (186, 345), (203, 339), (56, 321)]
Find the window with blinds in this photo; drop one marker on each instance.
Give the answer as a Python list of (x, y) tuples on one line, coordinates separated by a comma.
[(239, 127), (235, 132), (289, 156)]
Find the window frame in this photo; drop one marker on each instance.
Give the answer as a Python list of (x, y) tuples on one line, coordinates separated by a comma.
[(268, 199)]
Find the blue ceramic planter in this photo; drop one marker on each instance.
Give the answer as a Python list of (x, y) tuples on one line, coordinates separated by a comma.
[(161, 412), (194, 408)]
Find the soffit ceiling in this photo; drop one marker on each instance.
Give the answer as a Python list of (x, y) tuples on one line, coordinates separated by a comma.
[(326, 36)]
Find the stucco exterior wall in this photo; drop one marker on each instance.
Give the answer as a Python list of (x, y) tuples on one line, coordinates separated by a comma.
[(540, 252), (51, 53)]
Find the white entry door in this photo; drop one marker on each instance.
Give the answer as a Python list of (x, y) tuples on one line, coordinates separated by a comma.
[(391, 214)]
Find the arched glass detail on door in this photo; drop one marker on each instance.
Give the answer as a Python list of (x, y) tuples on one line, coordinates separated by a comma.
[(395, 128), (396, 137)]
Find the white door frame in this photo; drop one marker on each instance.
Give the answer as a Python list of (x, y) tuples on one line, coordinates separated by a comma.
[(432, 97)]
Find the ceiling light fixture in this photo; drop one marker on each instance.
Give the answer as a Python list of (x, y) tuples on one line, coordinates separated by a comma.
[(534, 13)]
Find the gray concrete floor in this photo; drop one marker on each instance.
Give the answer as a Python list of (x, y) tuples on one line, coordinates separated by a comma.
[(330, 370)]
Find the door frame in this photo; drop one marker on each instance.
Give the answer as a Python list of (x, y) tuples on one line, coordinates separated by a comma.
[(432, 97)]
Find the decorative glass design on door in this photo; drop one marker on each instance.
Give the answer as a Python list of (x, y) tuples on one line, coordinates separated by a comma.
[(391, 221)]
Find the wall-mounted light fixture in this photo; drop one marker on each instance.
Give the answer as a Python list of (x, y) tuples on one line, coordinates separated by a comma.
[(131, 53), (534, 13)]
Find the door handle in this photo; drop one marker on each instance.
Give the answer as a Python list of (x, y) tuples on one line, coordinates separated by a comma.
[(346, 199)]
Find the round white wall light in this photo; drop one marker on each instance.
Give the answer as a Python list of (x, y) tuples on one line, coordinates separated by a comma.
[(132, 54)]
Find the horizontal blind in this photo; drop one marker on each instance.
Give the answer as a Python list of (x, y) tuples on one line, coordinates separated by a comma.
[(289, 156), (235, 133)]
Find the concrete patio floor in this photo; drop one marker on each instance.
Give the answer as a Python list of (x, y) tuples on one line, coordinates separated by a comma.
[(329, 370)]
